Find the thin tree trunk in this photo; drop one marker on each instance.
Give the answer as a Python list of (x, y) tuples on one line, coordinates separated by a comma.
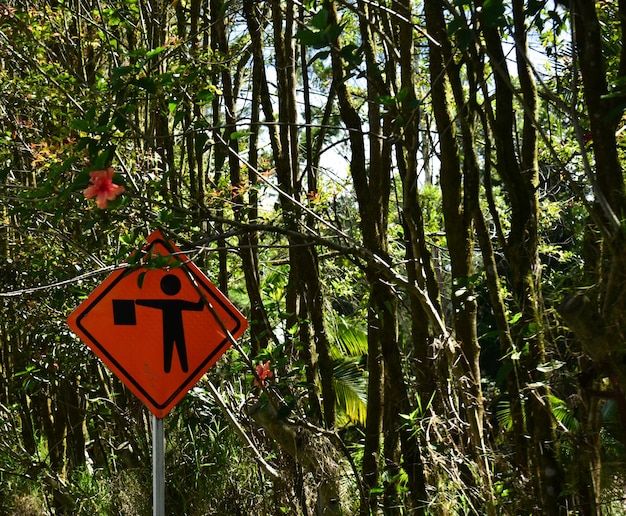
[(520, 179), (371, 182), (459, 188)]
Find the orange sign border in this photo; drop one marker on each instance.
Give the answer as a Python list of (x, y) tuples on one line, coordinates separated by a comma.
[(203, 284)]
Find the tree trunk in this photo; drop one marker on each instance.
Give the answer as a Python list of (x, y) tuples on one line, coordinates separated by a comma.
[(371, 182), (520, 179), (459, 189)]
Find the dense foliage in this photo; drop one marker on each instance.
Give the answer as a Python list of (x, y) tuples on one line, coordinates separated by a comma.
[(419, 207)]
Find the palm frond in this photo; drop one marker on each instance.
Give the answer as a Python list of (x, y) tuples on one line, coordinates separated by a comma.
[(348, 338), (563, 413), (351, 389), (560, 410), (503, 414)]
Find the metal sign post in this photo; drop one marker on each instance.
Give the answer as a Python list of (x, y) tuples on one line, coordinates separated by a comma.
[(158, 467)]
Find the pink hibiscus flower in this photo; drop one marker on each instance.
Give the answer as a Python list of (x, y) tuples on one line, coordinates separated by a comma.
[(102, 187), (264, 373)]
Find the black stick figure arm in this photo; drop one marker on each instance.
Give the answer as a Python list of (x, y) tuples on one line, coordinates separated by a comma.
[(199, 306), (172, 304), (152, 303)]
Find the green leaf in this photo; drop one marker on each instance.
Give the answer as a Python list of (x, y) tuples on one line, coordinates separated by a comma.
[(563, 413), (154, 52), (402, 94), (123, 70), (239, 134), (351, 54), (147, 84), (87, 122), (80, 125), (206, 95), (310, 39), (332, 32), (531, 329), (320, 20), (548, 367), (455, 24), (178, 118), (141, 278), (492, 13), (351, 389), (349, 339), (321, 38), (464, 37), (159, 261), (322, 54), (503, 414), (223, 9), (386, 100), (533, 7), (119, 122)]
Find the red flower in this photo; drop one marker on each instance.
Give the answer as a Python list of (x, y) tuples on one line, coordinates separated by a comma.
[(263, 372), (102, 187)]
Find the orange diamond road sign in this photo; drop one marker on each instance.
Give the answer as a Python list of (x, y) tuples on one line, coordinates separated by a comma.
[(159, 325)]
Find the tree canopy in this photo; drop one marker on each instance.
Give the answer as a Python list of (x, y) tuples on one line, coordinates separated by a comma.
[(418, 206)]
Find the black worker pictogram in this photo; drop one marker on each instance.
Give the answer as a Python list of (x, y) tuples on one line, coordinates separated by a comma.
[(172, 318)]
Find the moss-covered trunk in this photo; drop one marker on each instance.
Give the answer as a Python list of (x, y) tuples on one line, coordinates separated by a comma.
[(459, 189)]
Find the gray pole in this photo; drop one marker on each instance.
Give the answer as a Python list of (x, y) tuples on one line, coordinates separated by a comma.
[(158, 467)]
